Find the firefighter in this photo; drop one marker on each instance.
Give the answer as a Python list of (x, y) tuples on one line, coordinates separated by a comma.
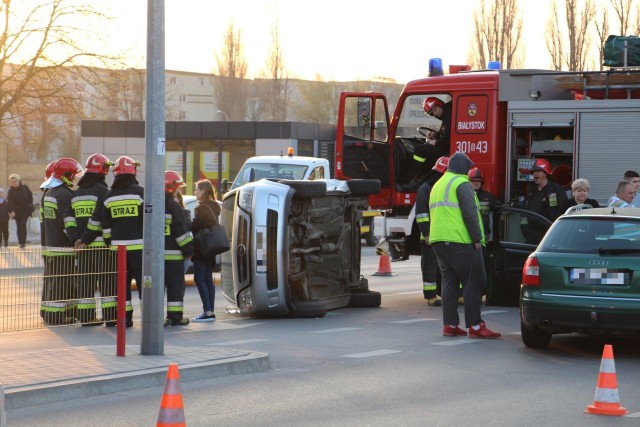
[(488, 204), (457, 238), (436, 143), (96, 265), (121, 222), (178, 246), (58, 306), (428, 261), (544, 198)]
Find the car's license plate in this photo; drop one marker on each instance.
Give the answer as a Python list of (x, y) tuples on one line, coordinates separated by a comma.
[(598, 276)]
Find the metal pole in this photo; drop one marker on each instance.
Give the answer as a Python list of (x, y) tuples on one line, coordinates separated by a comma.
[(153, 252)]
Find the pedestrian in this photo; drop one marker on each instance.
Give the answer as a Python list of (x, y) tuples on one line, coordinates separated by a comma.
[(428, 261), (634, 178), (20, 201), (96, 263), (178, 247), (206, 215), (121, 221), (457, 237), (580, 195), (625, 193), (545, 199), (4, 218), (58, 295)]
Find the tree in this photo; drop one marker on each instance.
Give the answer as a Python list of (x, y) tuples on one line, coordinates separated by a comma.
[(497, 34), (45, 62), (570, 50), (603, 32), (275, 96), (231, 88), (317, 101), (622, 8)]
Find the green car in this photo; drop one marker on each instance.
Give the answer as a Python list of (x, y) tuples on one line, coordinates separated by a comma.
[(584, 277)]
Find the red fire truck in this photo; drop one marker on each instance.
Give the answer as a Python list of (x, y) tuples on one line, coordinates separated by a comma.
[(586, 124)]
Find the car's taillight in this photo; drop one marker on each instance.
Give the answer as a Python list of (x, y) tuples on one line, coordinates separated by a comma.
[(531, 272)]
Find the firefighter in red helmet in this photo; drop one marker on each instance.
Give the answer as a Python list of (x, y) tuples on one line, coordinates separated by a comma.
[(178, 246), (544, 198), (436, 141), (121, 221), (58, 293), (487, 202), (428, 261), (96, 264)]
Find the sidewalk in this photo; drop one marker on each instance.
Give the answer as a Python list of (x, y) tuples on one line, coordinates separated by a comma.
[(45, 366)]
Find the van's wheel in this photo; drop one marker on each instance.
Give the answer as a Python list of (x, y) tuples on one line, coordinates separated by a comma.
[(534, 337), (306, 188), (364, 187), (308, 309), (365, 299)]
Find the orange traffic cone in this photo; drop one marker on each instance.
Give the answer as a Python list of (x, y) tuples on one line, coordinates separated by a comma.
[(606, 400), (384, 267), (171, 408)]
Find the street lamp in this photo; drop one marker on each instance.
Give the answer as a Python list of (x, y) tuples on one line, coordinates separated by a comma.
[(223, 113)]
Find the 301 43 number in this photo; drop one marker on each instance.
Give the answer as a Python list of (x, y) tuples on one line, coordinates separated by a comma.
[(480, 147)]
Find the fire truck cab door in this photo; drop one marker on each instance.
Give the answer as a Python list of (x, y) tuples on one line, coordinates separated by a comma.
[(516, 234), (362, 137)]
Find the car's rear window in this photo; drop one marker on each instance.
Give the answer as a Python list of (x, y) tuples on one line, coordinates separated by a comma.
[(592, 235)]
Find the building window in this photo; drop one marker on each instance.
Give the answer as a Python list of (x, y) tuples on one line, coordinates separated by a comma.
[(183, 98), (172, 80), (183, 115)]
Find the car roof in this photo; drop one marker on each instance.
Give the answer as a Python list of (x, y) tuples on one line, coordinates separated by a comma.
[(604, 212)]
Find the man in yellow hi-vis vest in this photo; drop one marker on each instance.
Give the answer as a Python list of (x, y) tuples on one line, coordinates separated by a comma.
[(457, 238)]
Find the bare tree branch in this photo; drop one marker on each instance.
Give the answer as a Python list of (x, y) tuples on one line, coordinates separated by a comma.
[(497, 34)]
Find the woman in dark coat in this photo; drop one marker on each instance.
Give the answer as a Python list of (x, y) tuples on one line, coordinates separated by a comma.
[(580, 191), (20, 206), (206, 215)]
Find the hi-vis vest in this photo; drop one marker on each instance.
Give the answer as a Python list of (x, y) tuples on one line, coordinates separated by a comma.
[(447, 224)]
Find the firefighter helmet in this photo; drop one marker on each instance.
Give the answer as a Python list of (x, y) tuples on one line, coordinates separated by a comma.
[(441, 164), (431, 102), (49, 170), (125, 165), (66, 170), (98, 163), (542, 165), (475, 174), (172, 181)]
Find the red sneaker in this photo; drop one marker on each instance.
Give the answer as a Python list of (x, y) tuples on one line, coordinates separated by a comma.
[(483, 332), (450, 331)]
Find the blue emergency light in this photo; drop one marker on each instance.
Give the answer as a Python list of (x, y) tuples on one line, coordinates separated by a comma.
[(435, 67)]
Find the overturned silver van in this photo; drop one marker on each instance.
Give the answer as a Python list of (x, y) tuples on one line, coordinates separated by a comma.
[(295, 247)]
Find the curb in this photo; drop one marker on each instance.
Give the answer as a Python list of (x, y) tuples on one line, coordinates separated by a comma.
[(22, 397)]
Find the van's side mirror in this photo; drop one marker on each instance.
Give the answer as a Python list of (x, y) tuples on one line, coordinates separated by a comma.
[(249, 175), (224, 185)]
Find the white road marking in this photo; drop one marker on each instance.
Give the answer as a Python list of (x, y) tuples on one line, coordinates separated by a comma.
[(328, 331), (515, 333), (238, 342), (457, 342), (372, 353), (412, 321), (403, 293), (494, 311), (633, 415)]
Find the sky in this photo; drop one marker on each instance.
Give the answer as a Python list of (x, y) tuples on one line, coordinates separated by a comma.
[(336, 39)]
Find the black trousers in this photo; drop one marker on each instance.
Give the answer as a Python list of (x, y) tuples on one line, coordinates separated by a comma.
[(96, 270), (21, 229), (58, 304), (174, 283), (4, 231)]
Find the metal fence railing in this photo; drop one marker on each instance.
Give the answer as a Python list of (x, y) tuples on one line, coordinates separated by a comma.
[(54, 288)]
